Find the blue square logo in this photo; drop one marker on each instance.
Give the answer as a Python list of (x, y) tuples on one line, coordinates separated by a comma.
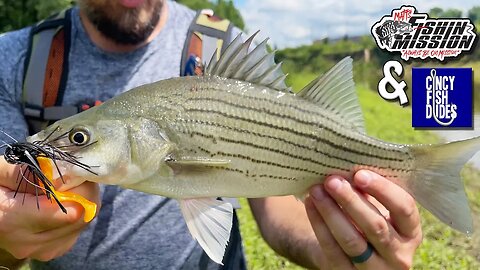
[(442, 97)]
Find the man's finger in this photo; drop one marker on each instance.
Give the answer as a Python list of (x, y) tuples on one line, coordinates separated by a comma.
[(346, 235), (8, 174), (67, 183), (376, 228), (403, 210), (56, 247), (333, 254), (46, 215)]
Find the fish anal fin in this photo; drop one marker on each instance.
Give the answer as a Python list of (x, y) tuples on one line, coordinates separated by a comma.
[(210, 222)]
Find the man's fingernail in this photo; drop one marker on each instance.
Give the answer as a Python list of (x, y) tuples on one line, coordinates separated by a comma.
[(334, 183), (363, 178), (317, 193)]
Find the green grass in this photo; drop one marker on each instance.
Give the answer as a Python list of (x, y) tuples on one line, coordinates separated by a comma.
[(259, 254), (442, 248)]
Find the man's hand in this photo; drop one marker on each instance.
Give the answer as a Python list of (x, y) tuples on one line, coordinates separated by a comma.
[(44, 233), (345, 219)]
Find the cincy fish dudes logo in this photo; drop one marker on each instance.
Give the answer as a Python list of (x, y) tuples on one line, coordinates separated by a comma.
[(442, 97), (418, 36)]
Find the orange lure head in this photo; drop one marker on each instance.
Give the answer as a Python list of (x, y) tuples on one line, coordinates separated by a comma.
[(38, 162)]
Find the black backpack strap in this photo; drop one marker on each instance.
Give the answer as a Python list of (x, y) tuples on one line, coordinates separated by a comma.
[(46, 71), (206, 35)]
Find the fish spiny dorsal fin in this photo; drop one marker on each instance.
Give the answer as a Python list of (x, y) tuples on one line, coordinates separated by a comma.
[(232, 50), (237, 58), (257, 66), (335, 91)]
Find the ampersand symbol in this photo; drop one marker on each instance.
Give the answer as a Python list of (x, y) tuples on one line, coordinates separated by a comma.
[(399, 92)]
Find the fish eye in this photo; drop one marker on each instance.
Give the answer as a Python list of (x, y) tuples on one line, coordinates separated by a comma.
[(79, 136)]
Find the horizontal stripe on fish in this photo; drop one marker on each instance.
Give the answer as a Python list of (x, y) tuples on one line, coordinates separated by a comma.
[(299, 157), (268, 136), (245, 173), (386, 150), (390, 173), (323, 142), (273, 150), (262, 100), (237, 97), (277, 170)]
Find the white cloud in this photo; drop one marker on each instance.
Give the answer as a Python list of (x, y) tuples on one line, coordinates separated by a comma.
[(296, 31), (296, 22), (283, 5)]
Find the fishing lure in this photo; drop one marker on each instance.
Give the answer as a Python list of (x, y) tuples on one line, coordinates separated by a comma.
[(35, 160)]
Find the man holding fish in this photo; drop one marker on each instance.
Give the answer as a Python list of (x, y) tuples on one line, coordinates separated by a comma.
[(368, 223)]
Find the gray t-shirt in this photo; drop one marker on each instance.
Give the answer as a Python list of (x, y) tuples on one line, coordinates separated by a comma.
[(133, 230)]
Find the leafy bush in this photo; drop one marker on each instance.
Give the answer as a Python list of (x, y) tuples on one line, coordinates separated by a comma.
[(16, 14)]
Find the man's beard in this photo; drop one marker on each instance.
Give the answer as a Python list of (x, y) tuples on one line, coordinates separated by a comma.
[(125, 29)]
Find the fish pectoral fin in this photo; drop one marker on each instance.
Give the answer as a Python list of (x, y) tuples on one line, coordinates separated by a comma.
[(210, 222), (196, 163)]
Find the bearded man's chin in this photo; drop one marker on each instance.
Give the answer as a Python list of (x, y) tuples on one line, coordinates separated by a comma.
[(126, 29)]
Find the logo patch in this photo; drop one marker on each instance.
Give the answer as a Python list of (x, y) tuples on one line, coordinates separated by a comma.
[(418, 36), (442, 97)]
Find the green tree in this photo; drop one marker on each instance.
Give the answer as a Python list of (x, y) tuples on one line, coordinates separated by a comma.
[(474, 14), (452, 13), (367, 42), (226, 9), (15, 14), (49, 7), (197, 4), (435, 12), (222, 8)]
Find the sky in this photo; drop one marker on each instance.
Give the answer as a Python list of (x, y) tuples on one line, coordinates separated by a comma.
[(290, 23)]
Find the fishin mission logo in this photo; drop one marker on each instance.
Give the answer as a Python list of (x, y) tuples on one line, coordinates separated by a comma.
[(442, 97), (418, 36)]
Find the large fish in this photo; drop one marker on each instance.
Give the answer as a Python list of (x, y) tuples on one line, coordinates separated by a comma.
[(238, 131)]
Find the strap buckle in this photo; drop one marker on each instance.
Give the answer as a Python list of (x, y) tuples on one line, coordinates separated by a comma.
[(193, 66)]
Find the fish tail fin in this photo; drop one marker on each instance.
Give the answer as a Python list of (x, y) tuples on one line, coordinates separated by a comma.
[(436, 182)]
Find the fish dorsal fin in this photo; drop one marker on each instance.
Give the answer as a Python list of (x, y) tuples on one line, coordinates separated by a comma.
[(335, 92), (255, 66)]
